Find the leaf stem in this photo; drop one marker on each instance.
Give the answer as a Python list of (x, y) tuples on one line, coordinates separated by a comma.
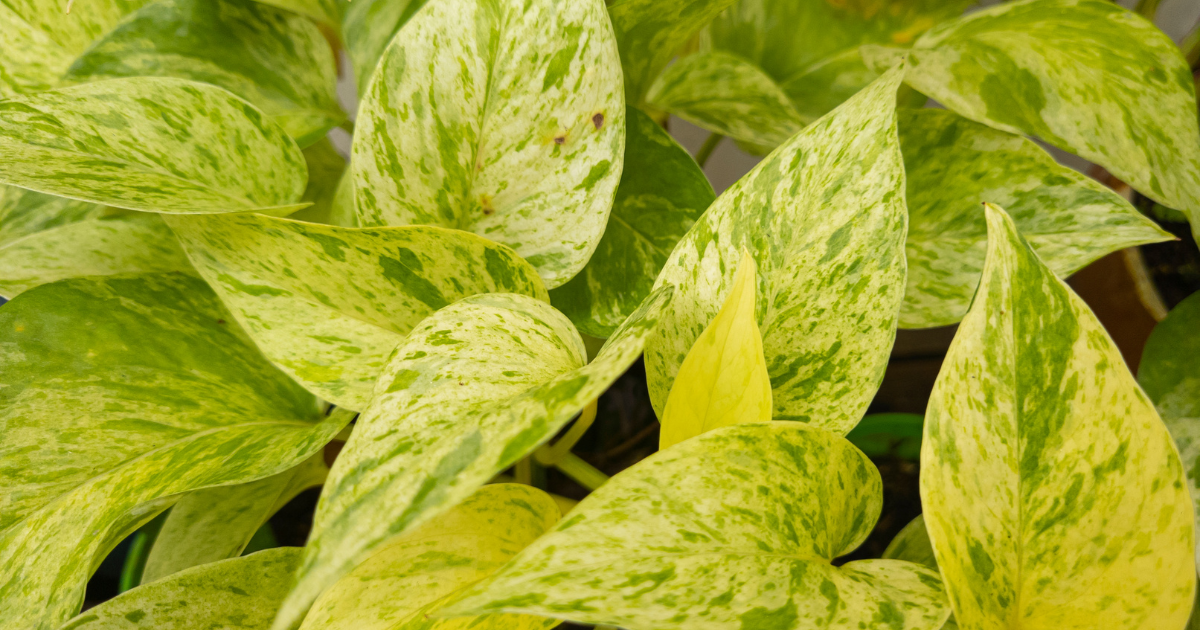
[(582, 472), (348, 125), (139, 552), (707, 149), (549, 454), (1148, 8)]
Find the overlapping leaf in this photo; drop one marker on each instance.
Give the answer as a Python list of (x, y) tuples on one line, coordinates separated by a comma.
[(119, 393), (824, 218), (661, 195), (953, 166), (912, 544), (504, 118), (217, 523), (1084, 75), (277, 60), (325, 12), (149, 143), (237, 594), (474, 388), (326, 171), (723, 381), (1052, 493), (369, 26), (329, 304), (735, 528), (403, 586)]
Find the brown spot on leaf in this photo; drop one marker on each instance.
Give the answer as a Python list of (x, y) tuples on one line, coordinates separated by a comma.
[(220, 321), (598, 120), (485, 201), (560, 139)]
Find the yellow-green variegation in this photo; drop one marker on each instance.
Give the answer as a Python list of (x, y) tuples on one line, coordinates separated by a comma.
[(277, 60), (1053, 495), (953, 166), (502, 118), (1084, 75), (912, 544), (723, 381), (736, 528), (824, 218), (405, 584), (217, 523), (473, 389), (119, 393), (150, 143), (661, 195), (328, 304), (237, 594)]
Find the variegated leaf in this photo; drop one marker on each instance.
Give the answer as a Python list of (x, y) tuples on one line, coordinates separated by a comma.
[(405, 584), (650, 32), (150, 143), (661, 195), (735, 528), (326, 170), (39, 39), (723, 381), (912, 544), (278, 61), (473, 389), (953, 166), (328, 304), (504, 118), (728, 95), (217, 523), (1052, 493), (237, 594), (1084, 75), (325, 12), (369, 26), (119, 392), (824, 218), (1170, 374)]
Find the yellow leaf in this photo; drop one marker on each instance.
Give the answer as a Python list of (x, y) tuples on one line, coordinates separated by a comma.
[(723, 381)]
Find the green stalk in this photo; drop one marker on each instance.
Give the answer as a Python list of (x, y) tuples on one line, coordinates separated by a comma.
[(706, 151), (139, 551), (582, 472), (1148, 8)]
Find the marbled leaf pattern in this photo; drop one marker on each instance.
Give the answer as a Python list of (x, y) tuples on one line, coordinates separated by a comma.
[(953, 166), (119, 393), (474, 388), (733, 529), (276, 60), (328, 304), (824, 218), (150, 143), (505, 118), (1053, 495), (662, 193)]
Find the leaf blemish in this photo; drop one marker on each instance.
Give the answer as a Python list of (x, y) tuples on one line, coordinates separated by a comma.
[(485, 201), (560, 139), (598, 120)]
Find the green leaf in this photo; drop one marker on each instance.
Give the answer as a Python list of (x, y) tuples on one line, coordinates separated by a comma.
[(889, 435), (727, 95), (1084, 75), (735, 528), (473, 389), (504, 118), (1053, 495), (650, 32), (912, 544), (120, 392), (661, 195), (325, 12), (328, 304), (824, 218), (217, 523), (148, 143), (237, 594), (278, 61), (954, 165), (326, 170), (39, 39), (723, 381), (406, 583), (369, 26)]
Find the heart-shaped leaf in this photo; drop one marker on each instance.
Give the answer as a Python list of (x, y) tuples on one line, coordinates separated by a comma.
[(1084, 75), (1053, 495), (150, 143), (474, 388), (329, 304), (953, 166), (278, 61), (734, 528), (824, 218), (120, 392), (506, 119), (661, 195), (403, 586)]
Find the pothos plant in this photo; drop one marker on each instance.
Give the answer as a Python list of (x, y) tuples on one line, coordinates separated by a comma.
[(204, 294)]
